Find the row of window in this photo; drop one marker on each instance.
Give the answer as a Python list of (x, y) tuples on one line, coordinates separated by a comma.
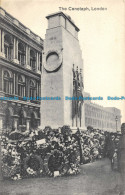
[(94, 122), (101, 114), (8, 83), (9, 120), (8, 50)]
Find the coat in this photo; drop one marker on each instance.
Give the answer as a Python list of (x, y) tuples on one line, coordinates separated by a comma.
[(121, 154)]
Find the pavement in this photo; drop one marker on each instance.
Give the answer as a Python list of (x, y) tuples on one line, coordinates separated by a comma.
[(95, 178)]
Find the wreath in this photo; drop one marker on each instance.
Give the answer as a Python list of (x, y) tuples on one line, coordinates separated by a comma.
[(74, 161), (54, 161), (33, 165)]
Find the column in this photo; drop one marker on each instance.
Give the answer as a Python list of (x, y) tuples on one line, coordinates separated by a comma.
[(27, 88), (14, 83), (27, 64), (39, 89), (2, 43), (1, 79), (37, 61), (26, 54), (14, 48), (15, 51), (1, 82)]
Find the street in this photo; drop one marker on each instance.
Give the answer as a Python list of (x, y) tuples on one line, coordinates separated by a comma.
[(95, 178)]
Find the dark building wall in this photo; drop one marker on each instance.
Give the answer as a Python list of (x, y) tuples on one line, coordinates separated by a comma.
[(20, 74)]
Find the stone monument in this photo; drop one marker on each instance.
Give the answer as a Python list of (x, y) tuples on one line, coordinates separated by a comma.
[(62, 74)]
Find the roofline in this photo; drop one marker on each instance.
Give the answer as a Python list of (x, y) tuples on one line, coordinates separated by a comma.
[(65, 16), (21, 23)]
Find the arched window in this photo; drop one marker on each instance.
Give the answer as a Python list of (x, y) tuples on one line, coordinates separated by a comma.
[(33, 122), (8, 123), (21, 53), (22, 117), (8, 82), (32, 59), (21, 86), (32, 88), (8, 46)]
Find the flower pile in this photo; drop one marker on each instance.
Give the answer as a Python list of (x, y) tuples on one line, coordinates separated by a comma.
[(52, 152), (92, 144), (11, 158)]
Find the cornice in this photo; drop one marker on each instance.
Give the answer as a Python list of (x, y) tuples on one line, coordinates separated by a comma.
[(21, 35), (65, 16), (25, 103), (16, 23)]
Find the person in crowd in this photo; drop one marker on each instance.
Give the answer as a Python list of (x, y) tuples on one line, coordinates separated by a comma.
[(121, 158)]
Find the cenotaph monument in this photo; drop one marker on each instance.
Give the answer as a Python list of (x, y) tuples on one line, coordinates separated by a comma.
[(62, 75)]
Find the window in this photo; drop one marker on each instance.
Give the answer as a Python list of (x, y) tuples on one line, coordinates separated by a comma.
[(22, 117), (32, 59), (32, 88), (8, 83), (33, 122), (8, 120), (21, 53), (21, 86), (8, 46)]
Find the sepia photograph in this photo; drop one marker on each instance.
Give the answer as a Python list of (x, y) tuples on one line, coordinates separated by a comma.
[(62, 97)]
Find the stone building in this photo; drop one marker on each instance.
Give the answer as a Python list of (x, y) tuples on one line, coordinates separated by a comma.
[(106, 118), (20, 74)]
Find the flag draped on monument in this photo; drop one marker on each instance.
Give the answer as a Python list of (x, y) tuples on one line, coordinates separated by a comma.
[(77, 92)]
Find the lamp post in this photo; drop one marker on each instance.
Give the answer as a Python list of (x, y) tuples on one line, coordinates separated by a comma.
[(116, 119)]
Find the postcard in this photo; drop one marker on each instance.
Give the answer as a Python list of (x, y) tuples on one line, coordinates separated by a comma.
[(62, 97)]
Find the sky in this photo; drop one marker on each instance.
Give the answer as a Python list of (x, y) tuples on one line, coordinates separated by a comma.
[(101, 37)]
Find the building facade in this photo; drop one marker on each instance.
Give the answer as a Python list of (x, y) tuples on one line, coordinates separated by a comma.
[(99, 117), (20, 74)]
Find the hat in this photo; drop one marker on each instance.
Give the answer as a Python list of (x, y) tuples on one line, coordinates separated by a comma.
[(123, 125), (123, 128)]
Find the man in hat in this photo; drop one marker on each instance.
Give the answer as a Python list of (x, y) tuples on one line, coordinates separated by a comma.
[(121, 158)]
